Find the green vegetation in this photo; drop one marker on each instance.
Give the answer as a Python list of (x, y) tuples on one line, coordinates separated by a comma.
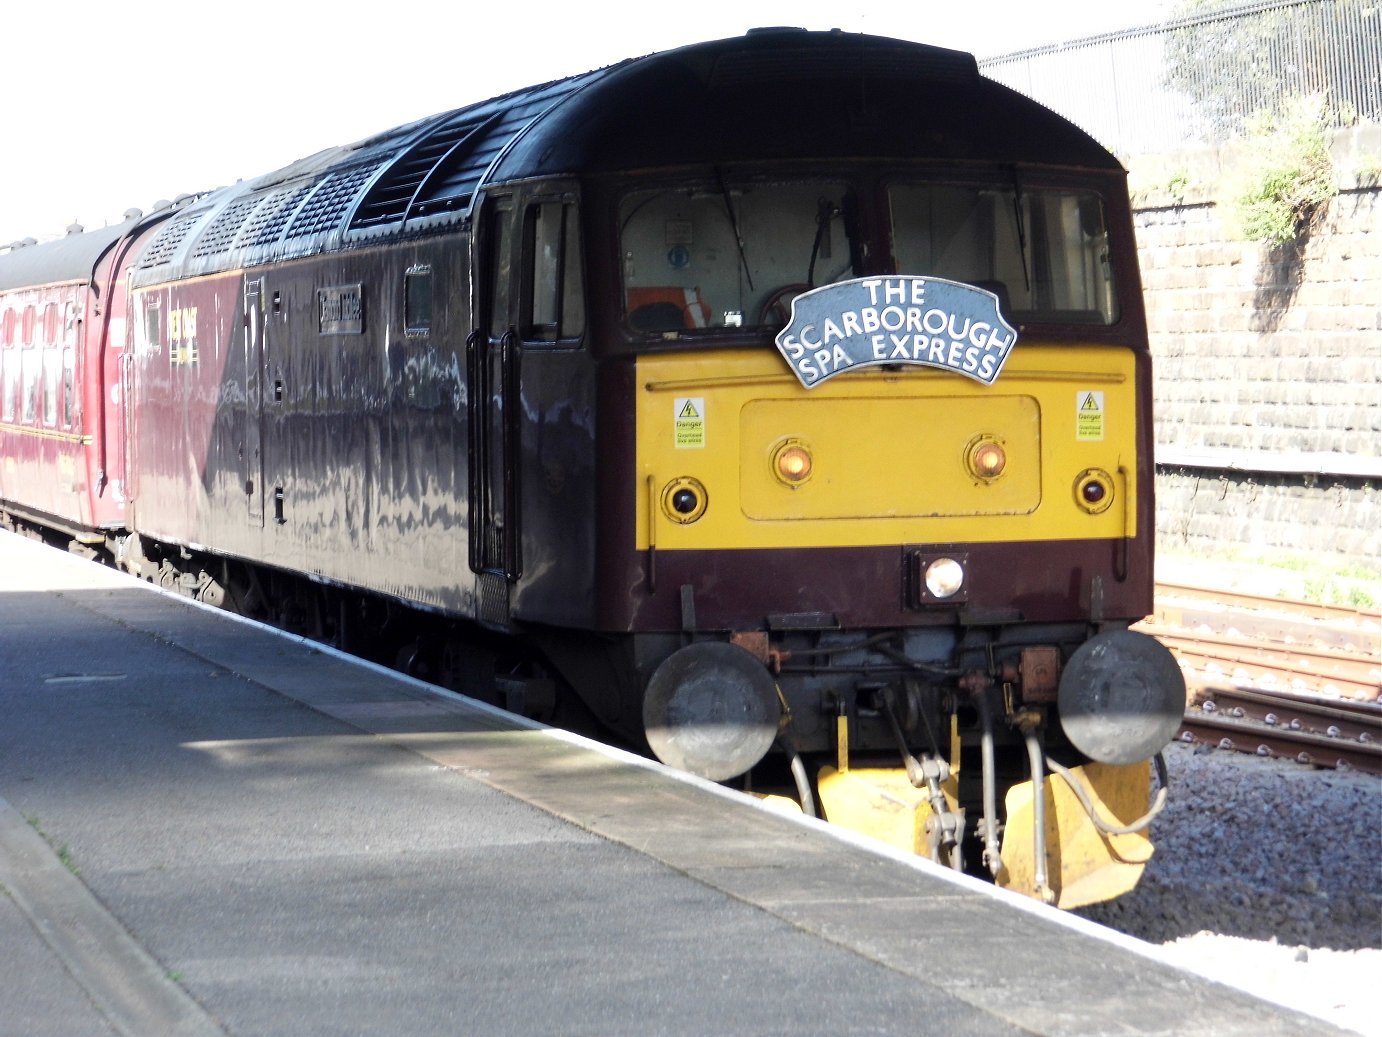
[(1253, 74), (1233, 59), (1330, 593), (1177, 186), (1302, 578), (64, 851), (1369, 171), (65, 855), (1286, 177)]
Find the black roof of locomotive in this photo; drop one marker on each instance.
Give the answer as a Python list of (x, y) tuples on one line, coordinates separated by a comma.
[(754, 97), (768, 94)]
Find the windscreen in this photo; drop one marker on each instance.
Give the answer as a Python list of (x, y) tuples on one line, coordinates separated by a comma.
[(1044, 253), (733, 254), (727, 254)]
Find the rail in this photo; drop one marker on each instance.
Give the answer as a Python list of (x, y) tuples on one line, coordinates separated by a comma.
[(1278, 678), (1307, 730)]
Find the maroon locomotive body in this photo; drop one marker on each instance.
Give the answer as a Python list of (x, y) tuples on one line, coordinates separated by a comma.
[(515, 397)]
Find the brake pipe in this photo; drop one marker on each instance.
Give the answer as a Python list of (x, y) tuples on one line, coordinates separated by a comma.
[(1035, 758), (1077, 787), (992, 855)]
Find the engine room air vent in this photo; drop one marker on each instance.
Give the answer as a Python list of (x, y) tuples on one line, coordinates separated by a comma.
[(269, 219), (330, 201), (451, 183), (396, 191), (221, 232), (166, 243)]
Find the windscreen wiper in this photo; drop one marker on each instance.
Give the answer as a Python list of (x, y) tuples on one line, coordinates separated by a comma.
[(734, 225), (1021, 229)]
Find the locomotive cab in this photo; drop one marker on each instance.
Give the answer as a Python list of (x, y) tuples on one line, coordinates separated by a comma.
[(868, 554)]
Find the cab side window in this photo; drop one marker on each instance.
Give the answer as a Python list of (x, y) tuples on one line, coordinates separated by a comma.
[(554, 296), (417, 301), (500, 262)]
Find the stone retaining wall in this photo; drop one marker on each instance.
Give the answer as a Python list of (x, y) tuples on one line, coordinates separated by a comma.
[(1268, 364)]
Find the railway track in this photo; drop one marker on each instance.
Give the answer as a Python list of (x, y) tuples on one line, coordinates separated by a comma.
[(1277, 678), (1325, 733)]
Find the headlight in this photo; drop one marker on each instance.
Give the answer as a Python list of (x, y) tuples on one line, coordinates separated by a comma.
[(944, 578), (985, 458), (937, 578), (792, 462)]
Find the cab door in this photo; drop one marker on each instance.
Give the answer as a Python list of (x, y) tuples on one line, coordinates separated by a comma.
[(493, 361)]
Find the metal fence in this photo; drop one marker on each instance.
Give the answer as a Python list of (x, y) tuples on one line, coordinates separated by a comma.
[(1198, 79)]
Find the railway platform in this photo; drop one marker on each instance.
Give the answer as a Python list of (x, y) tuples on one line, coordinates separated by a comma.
[(208, 827)]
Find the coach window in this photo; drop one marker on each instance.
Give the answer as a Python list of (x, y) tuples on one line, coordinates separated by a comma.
[(70, 320), (554, 308), (9, 381), (9, 365), (30, 374), (69, 386), (52, 368), (51, 364), (417, 301)]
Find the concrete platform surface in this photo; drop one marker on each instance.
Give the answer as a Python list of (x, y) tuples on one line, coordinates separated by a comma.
[(207, 827)]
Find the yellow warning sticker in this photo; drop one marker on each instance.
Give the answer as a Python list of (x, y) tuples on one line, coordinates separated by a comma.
[(1089, 415), (689, 422)]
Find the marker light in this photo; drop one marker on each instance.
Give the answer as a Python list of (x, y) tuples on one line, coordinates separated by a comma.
[(1094, 490), (944, 577), (684, 500), (792, 463), (985, 458)]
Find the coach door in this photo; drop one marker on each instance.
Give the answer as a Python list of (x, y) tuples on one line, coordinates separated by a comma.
[(492, 369), (252, 430)]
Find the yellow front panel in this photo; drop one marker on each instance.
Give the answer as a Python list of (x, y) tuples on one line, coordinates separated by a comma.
[(887, 456), (888, 449)]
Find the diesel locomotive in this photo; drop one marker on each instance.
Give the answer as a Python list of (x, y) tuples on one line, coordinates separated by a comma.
[(780, 404)]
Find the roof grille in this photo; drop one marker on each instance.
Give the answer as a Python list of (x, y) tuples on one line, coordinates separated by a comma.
[(430, 167), (330, 201), (268, 221), (453, 182), (392, 195), (168, 240), (222, 230)]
